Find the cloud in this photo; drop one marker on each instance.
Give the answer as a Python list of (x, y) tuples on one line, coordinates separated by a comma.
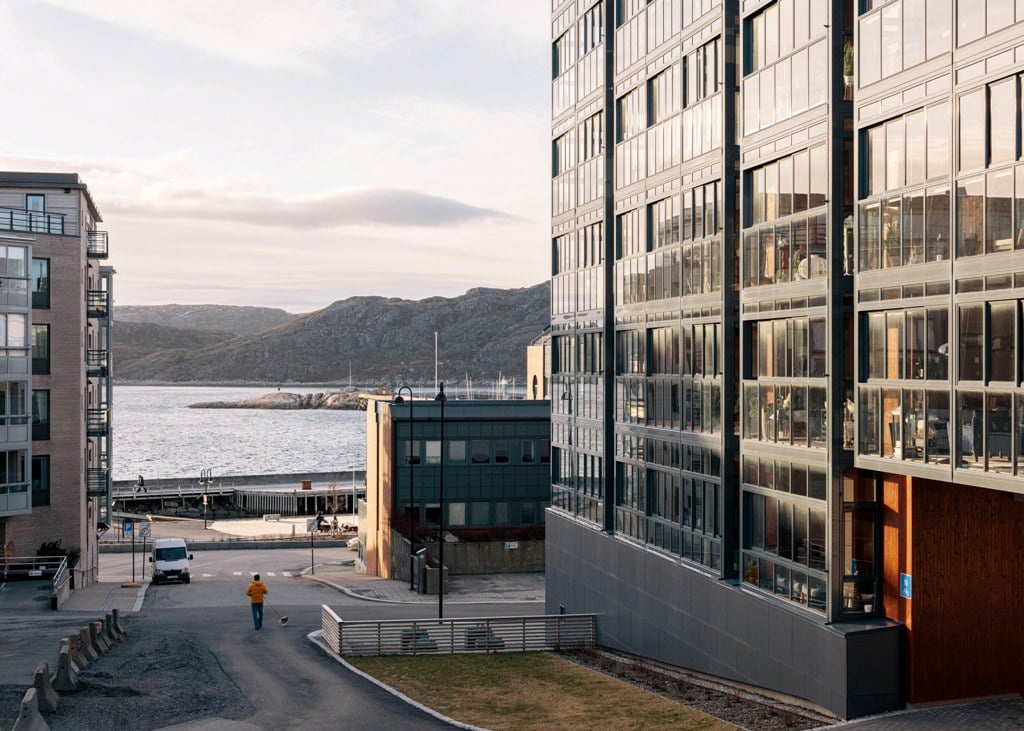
[(377, 207)]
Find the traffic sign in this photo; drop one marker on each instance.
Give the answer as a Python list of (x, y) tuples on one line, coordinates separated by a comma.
[(311, 525), (128, 525), (146, 530)]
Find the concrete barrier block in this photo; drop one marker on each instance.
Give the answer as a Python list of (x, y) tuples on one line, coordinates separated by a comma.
[(65, 680), (46, 696), (86, 652), (109, 631), (75, 649), (29, 718), (117, 622), (94, 645), (101, 636)]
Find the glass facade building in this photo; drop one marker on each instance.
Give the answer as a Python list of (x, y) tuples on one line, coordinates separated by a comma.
[(788, 269)]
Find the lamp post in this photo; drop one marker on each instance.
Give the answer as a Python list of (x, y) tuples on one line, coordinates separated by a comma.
[(412, 502), (441, 398)]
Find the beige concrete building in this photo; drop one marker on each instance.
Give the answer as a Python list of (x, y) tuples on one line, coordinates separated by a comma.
[(67, 467), (538, 367)]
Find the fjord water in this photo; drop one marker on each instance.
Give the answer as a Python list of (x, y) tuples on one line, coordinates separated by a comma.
[(157, 435)]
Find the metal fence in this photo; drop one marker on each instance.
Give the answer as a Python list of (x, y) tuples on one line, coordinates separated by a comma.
[(462, 635), (39, 567)]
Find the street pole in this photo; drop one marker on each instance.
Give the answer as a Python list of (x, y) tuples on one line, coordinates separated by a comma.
[(440, 485), (412, 501)]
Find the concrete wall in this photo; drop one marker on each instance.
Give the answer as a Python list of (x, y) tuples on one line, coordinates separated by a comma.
[(650, 605), (473, 557)]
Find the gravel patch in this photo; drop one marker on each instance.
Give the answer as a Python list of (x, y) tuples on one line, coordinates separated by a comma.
[(746, 710), (150, 680)]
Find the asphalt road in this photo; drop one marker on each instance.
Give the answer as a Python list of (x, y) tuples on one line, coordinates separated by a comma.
[(290, 681)]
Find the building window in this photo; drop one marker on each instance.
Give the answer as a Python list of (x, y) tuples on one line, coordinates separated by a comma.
[(457, 452), (501, 450), (40, 479), (41, 283), (481, 451), (40, 350), (40, 415), (35, 202)]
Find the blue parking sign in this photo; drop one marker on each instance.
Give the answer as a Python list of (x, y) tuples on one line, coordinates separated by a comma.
[(905, 586), (128, 525)]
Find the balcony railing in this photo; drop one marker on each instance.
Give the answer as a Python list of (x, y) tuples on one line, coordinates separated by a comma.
[(97, 422), (12, 219), (97, 248), (97, 480), (96, 361), (96, 303)]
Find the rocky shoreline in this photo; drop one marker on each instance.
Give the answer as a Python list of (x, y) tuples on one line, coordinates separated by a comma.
[(333, 400)]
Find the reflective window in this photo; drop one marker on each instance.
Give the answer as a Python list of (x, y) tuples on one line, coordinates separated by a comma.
[(1002, 342), (1003, 115), (938, 140), (999, 211), (971, 343), (914, 26), (972, 130), (970, 216)]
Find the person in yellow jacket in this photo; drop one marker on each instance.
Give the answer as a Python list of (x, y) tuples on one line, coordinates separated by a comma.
[(256, 591)]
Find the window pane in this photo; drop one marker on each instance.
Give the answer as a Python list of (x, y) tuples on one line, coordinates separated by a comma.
[(938, 140), (817, 90), (999, 211), (913, 228), (1003, 111), (819, 176), (799, 81), (868, 233), (876, 160), (913, 32), (970, 22), (939, 27), (894, 146), (915, 147), (971, 339), (971, 216), (870, 51), (938, 344), (1002, 340), (876, 345), (1018, 209), (1000, 14), (972, 130), (971, 417), (937, 225), (892, 30)]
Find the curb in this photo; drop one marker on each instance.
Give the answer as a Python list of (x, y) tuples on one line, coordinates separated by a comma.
[(314, 637)]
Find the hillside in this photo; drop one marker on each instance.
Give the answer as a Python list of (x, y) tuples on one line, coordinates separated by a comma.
[(384, 341), (214, 318), (135, 340)]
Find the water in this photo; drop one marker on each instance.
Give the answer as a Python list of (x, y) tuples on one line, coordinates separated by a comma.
[(156, 435)]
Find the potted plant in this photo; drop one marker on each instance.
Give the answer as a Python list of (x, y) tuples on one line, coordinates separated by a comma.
[(848, 63)]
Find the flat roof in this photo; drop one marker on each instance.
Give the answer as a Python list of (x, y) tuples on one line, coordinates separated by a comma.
[(20, 179)]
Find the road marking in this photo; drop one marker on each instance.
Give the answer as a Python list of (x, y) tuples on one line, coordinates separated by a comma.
[(207, 576), (286, 573), (236, 573), (271, 574)]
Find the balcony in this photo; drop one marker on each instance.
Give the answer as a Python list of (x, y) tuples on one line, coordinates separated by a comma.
[(97, 422), (97, 247), (97, 304), (12, 219), (97, 481), (97, 361)]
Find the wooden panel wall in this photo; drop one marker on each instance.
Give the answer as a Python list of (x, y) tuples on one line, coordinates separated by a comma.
[(964, 548)]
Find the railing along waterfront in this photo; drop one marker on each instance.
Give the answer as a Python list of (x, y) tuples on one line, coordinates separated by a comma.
[(462, 635)]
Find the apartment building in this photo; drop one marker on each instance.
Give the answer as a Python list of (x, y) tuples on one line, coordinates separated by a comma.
[(67, 392), (787, 273)]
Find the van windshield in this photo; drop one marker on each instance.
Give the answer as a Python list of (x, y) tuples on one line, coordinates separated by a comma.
[(170, 554)]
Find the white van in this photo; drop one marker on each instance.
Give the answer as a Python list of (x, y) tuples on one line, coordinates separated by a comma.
[(170, 560)]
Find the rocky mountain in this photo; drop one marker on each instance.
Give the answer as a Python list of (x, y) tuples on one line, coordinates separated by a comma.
[(378, 340), (134, 340), (214, 318)]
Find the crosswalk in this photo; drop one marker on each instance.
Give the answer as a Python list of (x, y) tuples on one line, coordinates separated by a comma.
[(253, 573)]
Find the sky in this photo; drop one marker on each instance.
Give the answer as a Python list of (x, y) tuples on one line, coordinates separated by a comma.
[(292, 154)]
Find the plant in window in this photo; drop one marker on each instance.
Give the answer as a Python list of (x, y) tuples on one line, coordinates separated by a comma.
[(848, 61)]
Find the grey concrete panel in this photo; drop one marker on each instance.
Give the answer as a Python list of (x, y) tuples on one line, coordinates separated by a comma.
[(650, 605)]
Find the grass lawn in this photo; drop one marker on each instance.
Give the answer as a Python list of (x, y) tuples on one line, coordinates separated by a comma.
[(523, 691)]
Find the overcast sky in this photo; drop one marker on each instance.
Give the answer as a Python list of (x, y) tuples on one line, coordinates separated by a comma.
[(290, 154)]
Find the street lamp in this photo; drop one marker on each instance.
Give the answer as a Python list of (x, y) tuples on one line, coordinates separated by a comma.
[(441, 398), (412, 503)]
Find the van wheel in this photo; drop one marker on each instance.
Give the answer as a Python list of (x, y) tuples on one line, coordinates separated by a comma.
[(188, 579)]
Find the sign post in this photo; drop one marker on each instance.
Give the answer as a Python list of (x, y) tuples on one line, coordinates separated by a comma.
[(128, 526), (146, 530)]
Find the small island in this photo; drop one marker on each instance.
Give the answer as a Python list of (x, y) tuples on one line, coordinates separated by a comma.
[(335, 400)]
